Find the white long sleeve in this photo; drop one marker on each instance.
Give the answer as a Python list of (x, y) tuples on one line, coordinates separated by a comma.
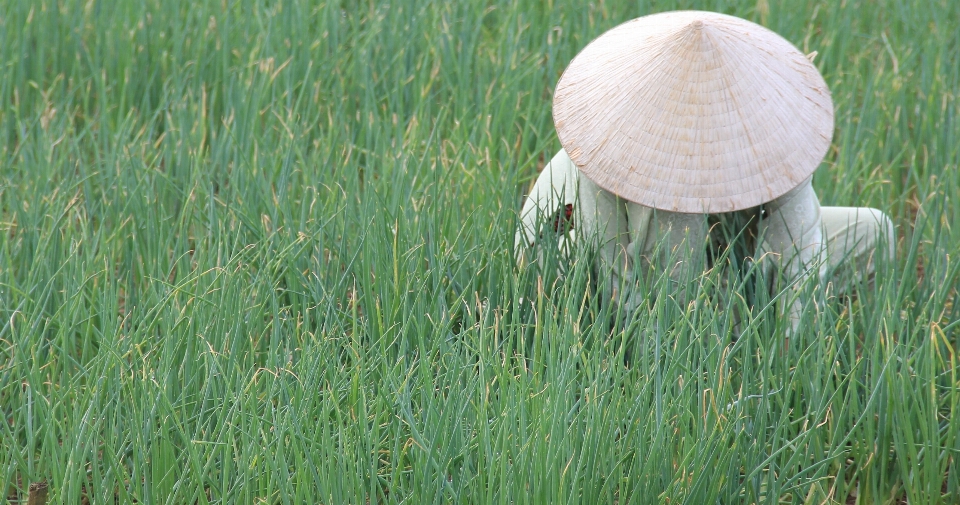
[(792, 235)]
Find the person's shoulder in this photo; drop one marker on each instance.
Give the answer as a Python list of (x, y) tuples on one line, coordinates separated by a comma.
[(802, 190), (562, 160), (561, 170)]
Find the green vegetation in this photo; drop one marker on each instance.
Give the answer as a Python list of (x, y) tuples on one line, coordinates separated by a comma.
[(260, 252)]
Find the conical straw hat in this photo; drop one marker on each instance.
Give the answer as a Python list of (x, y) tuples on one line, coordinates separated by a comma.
[(693, 112)]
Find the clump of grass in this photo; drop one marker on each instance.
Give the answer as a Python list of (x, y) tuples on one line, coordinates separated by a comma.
[(259, 251)]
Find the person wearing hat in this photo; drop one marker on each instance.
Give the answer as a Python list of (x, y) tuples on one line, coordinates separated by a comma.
[(676, 121)]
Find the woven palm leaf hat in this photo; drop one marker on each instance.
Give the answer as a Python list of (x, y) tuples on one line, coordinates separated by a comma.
[(693, 112)]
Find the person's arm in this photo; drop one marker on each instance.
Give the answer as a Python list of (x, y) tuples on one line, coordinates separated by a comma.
[(555, 189), (793, 238), (605, 223)]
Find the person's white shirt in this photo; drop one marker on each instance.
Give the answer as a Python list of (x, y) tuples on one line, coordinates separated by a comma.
[(796, 234)]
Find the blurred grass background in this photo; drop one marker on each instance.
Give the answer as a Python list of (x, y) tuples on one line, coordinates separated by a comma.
[(261, 252)]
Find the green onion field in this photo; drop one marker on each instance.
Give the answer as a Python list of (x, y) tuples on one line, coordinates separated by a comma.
[(261, 251)]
